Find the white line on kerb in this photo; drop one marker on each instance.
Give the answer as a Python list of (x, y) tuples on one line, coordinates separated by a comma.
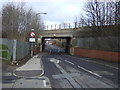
[(89, 71), (44, 82), (69, 62)]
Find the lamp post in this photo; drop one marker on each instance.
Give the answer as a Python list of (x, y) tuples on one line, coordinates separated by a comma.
[(39, 41), (39, 14), (33, 30)]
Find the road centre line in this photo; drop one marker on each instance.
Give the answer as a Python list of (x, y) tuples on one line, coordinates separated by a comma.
[(84, 69), (89, 71), (69, 62), (96, 62), (65, 74), (68, 77)]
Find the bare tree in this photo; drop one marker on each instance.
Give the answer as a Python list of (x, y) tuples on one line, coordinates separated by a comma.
[(17, 21), (101, 13)]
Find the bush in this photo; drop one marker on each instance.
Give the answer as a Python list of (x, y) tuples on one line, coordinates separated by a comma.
[(4, 54), (98, 31)]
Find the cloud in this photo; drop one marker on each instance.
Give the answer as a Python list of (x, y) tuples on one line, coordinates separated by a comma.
[(64, 12), (58, 11), (55, 1)]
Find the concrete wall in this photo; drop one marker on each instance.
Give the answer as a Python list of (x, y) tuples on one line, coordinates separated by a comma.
[(22, 48)]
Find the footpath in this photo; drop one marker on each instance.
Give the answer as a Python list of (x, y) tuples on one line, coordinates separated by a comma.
[(32, 68), (30, 75)]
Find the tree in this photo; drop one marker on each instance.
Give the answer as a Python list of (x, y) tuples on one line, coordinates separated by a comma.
[(101, 13), (17, 21)]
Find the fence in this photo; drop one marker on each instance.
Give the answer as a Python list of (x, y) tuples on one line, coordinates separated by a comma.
[(62, 26), (17, 49), (100, 43)]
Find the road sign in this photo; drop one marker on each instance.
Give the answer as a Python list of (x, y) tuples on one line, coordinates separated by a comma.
[(31, 39), (32, 34)]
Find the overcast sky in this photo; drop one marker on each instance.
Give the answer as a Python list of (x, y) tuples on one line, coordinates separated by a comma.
[(58, 11)]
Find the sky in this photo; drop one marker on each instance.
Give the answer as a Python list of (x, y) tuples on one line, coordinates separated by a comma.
[(58, 11)]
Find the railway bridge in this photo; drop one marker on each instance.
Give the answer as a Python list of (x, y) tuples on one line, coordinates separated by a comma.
[(101, 47), (67, 34)]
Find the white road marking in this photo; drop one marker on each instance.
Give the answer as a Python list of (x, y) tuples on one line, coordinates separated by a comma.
[(67, 76), (54, 60), (60, 76), (44, 82), (84, 69), (95, 62), (89, 71), (58, 61), (69, 62)]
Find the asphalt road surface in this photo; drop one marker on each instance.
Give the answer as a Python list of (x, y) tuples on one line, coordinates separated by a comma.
[(53, 49), (65, 71)]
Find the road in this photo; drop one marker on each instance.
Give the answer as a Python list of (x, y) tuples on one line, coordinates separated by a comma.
[(65, 71), (62, 71), (53, 48), (29, 75)]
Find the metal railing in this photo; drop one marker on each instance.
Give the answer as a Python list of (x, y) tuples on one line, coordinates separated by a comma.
[(62, 26)]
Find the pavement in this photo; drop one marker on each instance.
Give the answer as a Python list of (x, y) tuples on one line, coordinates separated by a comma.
[(30, 75), (32, 68)]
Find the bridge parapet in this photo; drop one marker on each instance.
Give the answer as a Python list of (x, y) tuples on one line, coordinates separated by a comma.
[(59, 33)]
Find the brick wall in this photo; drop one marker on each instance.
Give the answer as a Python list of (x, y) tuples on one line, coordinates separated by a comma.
[(98, 54)]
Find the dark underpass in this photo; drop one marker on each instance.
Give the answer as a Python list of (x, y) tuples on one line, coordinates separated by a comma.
[(67, 43)]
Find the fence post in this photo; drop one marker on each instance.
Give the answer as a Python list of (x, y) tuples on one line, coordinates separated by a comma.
[(14, 49), (69, 25), (55, 26), (59, 26), (51, 27)]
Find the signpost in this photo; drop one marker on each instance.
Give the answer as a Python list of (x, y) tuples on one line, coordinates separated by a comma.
[(32, 34), (32, 40)]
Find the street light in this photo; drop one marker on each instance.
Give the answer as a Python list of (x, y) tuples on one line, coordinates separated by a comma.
[(40, 13), (39, 39), (33, 30)]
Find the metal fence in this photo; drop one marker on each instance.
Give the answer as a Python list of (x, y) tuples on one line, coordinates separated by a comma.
[(101, 43), (23, 49), (17, 49), (62, 26), (8, 43)]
